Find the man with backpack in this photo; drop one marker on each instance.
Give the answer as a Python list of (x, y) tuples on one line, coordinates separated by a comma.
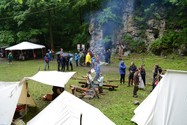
[(46, 60)]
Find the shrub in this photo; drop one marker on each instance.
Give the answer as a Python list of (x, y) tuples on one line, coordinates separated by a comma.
[(134, 44), (169, 43)]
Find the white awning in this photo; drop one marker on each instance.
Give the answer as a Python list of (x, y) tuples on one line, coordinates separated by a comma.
[(53, 78)]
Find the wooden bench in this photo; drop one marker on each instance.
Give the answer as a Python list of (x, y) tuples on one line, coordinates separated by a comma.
[(85, 92), (110, 86), (77, 89), (77, 78)]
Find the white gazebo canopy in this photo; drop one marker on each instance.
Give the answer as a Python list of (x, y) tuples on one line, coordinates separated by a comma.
[(25, 46)]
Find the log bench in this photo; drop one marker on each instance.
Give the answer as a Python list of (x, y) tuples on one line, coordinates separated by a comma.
[(109, 86), (77, 89), (85, 92)]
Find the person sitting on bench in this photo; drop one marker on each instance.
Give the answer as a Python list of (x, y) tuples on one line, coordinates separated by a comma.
[(91, 84), (100, 82)]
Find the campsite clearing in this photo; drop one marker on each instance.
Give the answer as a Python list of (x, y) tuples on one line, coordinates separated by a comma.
[(116, 105)]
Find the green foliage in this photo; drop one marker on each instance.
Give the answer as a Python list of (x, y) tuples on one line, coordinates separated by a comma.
[(157, 15), (82, 36), (6, 37), (106, 15), (19, 1), (178, 2), (134, 44), (169, 43)]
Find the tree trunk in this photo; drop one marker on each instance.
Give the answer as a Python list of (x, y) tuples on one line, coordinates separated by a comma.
[(51, 42)]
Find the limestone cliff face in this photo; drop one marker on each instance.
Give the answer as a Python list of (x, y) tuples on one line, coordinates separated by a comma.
[(154, 28)]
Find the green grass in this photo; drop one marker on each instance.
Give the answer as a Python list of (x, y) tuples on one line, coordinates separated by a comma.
[(117, 105)]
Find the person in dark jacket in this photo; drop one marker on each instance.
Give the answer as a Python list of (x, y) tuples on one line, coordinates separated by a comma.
[(132, 70), (122, 71), (56, 91), (143, 74), (58, 62), (156, 72)]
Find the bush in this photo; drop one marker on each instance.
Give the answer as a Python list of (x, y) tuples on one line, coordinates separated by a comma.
[(134, 44), (169, 43)]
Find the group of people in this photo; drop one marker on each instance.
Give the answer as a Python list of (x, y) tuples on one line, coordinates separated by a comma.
[(88, 58), (64, 62), (49, 56), (95, 83), (137, 76)]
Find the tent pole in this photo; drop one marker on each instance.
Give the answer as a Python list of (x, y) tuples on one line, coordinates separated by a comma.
[(81, 119)]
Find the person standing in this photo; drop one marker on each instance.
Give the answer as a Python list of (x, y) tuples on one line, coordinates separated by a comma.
[(122, 71), (71, 63), (143, 74), (136, 83), (53, 54), (46, 60), (63, 63), (50, 55), (156, 73), (88, 59), (109, 55), (97, 70), (132, 70), (77, 59), (10, 58), (58, 61)]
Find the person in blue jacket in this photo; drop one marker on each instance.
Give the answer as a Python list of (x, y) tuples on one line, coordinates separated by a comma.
[(122, 71), (77, 59)]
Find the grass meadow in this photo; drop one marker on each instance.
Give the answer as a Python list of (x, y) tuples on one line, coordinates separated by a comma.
[(117, 105)]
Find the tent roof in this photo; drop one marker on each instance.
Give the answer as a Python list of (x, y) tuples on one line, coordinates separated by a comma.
[(25, 46), (166, 105), (53, 78), (67, 109), (9, 95)]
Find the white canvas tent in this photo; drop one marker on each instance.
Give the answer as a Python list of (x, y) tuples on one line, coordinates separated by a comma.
[(25, 46), (13, 93), (67, 109), (24, 98), (167, 103), (9, 95)]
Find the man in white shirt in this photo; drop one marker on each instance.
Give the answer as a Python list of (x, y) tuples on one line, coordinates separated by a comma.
[(100, 81)]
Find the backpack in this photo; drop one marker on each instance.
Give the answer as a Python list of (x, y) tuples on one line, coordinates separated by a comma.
[(46, 59)]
